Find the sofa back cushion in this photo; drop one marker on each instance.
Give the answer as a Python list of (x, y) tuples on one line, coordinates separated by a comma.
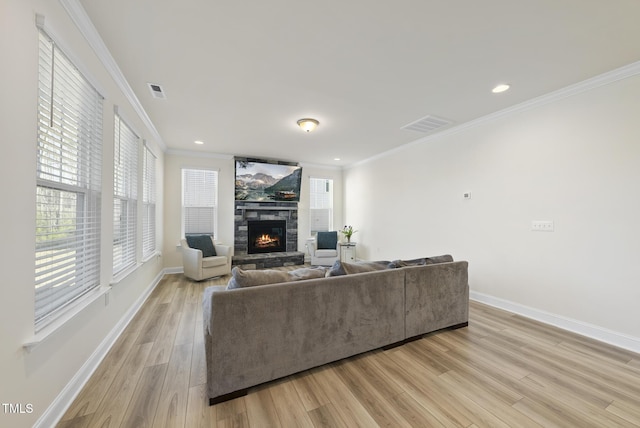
[(203, 243), (422, 261), (343, 268), (308, 273), (446, 258), (250, 278)]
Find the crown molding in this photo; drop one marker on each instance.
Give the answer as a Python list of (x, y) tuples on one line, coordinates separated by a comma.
[(80, 18), (196, 154), (607, 78), (321, 166)]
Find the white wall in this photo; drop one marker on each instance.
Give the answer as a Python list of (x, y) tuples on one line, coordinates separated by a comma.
[(575, 161), (39, 377), (174, 162)]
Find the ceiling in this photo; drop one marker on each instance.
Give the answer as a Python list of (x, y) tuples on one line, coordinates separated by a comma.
[(237, 75)]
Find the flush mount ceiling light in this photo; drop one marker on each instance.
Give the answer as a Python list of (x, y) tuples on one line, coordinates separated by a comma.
[(199, 142), (308, 124), (500, 88)]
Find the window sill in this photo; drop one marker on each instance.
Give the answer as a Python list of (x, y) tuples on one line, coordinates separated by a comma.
[(124, 273), (66, 316), (156, 253), (78, 306)]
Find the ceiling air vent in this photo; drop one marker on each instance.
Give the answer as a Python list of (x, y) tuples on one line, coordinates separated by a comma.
[(428, 124), (156, 91)]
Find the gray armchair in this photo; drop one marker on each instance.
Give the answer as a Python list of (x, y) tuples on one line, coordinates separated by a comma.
[(323, 249), (202, 258)]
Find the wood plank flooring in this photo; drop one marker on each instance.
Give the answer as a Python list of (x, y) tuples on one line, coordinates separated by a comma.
[(501, 371)]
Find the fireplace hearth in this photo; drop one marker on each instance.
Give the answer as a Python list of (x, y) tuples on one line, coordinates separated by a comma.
[(266, 236)]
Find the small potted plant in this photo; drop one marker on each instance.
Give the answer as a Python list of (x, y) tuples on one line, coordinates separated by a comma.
[(347, 231)]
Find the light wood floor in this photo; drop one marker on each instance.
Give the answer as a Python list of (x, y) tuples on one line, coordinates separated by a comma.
[(501, 371)]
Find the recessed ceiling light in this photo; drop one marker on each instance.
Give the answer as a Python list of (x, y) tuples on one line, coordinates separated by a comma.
[(199, 142), (336, 159), (500, 88)]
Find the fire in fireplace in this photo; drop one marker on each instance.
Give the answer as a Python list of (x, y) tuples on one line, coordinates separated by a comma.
[(267, 236)]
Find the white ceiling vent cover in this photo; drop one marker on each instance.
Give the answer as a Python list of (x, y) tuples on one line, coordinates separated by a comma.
[(428, 124), (156, 91)]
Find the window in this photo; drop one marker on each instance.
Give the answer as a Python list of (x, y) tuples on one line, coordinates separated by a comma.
[(199, 201), (148, 203), (125, 196), (68, 187), (321, 204)]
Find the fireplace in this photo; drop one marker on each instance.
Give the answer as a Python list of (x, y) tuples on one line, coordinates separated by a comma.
[(266, 236)]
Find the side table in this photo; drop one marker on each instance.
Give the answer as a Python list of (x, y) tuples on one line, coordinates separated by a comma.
[(348, 252)]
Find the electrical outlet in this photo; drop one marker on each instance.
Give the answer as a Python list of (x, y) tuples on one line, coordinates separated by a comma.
[(542, 225)]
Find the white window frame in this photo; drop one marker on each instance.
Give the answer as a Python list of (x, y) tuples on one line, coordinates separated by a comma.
[(148, 203), (320, 204), (68, 184), (199, 201), (125, 195)]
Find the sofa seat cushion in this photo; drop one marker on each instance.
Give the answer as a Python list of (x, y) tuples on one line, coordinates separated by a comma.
[(326, 253), (214, 261)]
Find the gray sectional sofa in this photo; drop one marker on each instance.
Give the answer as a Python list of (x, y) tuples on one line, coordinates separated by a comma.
[(257, 333)]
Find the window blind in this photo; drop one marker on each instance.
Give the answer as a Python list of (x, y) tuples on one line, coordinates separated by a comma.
[(321, 204), (148, 203), (199, 201), (68, 187), (125, 196)]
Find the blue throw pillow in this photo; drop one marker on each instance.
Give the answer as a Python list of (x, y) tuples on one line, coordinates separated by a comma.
[(203, 243), (327, 240)]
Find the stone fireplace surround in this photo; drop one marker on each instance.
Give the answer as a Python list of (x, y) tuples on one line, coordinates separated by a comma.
[(245, 211)]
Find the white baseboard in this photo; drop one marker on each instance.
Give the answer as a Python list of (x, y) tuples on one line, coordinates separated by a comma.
[(589, 330), (59, 406)]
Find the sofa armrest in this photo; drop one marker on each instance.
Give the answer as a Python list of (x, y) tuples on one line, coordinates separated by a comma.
[(437, 296), (192, 255), (223, 250), (311, 246), (207, 307), (191, 260)]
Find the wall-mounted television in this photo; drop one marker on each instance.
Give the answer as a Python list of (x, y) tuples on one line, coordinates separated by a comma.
[(267, 181)]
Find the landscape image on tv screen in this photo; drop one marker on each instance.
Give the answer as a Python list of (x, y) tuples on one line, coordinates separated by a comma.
[(267, 182)]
